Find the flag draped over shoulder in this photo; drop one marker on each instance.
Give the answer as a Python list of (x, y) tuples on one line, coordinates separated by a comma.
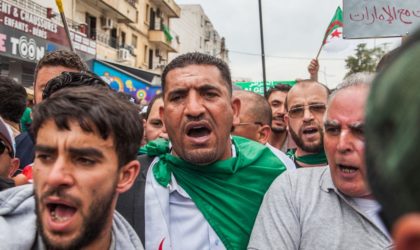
[(334, 26)]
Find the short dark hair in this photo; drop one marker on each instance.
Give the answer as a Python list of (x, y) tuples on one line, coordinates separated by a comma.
[(305, 82), (149, 107), (196, 58), (71, 80), (12, 99), (95, 109), (63, 58), (260, 109), (279, 87)]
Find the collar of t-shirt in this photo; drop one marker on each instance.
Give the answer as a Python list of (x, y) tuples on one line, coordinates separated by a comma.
[(371, 208)]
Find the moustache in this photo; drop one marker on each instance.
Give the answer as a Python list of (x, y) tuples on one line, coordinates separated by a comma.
[(60, 193), (278, 118)]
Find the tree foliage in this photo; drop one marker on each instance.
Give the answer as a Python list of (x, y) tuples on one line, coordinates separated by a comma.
[(365, 59)]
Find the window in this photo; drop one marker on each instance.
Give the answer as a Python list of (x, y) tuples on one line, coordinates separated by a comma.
[(145, 53), (122, 39), (134, 41), (147, 15)]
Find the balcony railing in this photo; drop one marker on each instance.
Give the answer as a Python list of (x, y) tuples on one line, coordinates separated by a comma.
[(164, 38)]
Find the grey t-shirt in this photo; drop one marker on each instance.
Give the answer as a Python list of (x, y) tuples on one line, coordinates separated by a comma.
[(303, 210)]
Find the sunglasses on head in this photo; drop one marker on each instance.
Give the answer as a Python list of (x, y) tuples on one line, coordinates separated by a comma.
[(3, 147), (298, 112)]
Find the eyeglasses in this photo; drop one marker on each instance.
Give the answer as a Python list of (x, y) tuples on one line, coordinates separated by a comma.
[(298, 112), (3, 147)]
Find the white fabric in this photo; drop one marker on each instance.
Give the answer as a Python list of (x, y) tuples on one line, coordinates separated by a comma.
[(283, 157), (172, 219), (371, 208)]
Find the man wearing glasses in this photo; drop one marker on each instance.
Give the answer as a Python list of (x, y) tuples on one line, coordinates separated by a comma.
[(305, 106), (254, 122), (8, 162), (327, 207)]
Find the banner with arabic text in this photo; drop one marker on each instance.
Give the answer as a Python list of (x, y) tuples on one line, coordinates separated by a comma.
[(258, 87), (380, 18)]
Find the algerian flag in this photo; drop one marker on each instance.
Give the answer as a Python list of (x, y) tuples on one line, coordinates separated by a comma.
[(335, 29), (333, 38)]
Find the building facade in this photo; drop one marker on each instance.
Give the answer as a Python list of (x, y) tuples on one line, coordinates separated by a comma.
[(197, 33)]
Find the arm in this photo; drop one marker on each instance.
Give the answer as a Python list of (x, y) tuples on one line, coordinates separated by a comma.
[(277, 225), (313, 69)]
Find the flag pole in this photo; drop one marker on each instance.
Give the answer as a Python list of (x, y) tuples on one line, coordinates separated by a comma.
[(262, 48), (66, 27), (319, 51)]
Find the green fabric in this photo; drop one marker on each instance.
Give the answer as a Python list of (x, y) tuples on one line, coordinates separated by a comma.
[(26, 119), (228, 192), (167, 33), (312, 159)]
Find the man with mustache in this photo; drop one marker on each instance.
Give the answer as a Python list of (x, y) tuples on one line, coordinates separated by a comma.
[(85, 156), (276, 97), (305, 106), (328, 207), (204, 189)]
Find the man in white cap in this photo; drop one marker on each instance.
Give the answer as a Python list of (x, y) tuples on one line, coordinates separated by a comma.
[(8, 162)]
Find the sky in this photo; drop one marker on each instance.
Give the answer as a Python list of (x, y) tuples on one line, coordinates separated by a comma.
[(293, 32)]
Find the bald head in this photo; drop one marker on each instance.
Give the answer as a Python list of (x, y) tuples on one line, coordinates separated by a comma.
[(254, 117), (253, 106), (305, 88)]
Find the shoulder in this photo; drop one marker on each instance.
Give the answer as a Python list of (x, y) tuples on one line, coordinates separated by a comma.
[(302, 177)]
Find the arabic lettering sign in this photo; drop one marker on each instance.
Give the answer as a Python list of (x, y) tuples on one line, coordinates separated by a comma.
[(258, 87), (380, 18), (124, 83)]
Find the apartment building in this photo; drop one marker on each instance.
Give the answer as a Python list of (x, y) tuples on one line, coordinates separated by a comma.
[(133, 33), (197, 33)]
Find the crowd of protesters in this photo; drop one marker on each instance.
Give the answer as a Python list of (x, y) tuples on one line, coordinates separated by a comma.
[(209, 167)]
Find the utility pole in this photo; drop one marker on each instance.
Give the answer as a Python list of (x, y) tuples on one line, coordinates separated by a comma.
[(262, 47)]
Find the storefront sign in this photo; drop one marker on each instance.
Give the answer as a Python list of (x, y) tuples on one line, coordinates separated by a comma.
[(33, 25)]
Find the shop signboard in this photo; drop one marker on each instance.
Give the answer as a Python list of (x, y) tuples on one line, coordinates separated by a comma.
[(39, 30)]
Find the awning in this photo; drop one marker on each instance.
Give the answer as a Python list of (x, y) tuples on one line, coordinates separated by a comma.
[(136, 82)]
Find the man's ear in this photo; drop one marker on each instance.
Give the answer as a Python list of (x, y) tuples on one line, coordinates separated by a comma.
[(14, 165), (236, 107), (264, 134), (127, 174)]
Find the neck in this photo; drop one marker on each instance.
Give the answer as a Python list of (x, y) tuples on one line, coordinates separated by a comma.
[(277, 140), (300, 152), (103, 241)]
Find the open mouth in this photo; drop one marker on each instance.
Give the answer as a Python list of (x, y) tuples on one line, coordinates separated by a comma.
[(310, 130), (347, 169), (60, 212), (198, 131)]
